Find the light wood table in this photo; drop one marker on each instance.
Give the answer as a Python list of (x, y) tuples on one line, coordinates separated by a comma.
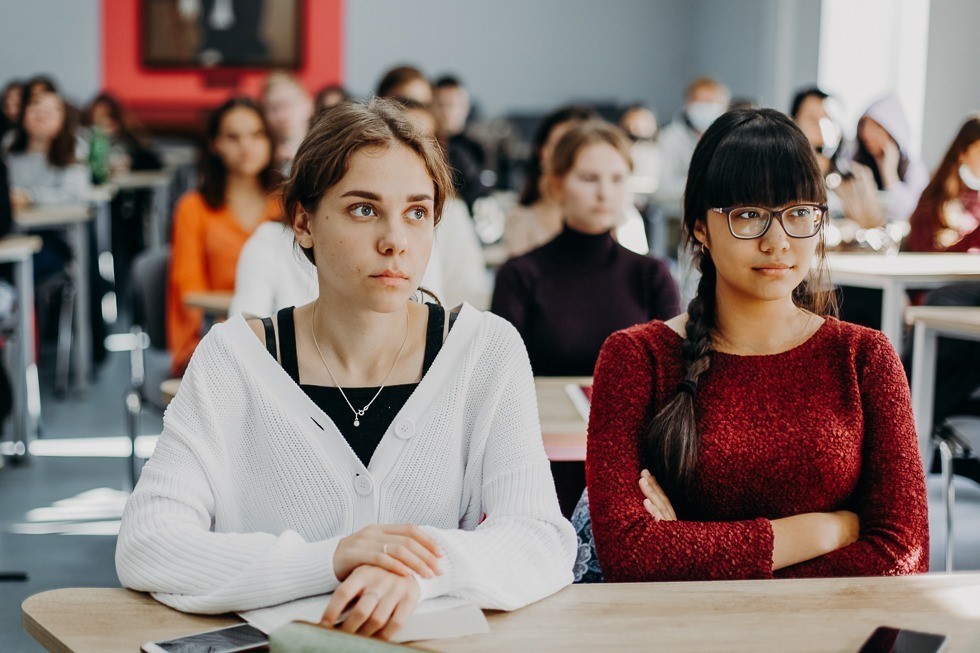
[(73, 219), (833, 614), (562, 426), (19, 250), (215, 304), (896, 274)]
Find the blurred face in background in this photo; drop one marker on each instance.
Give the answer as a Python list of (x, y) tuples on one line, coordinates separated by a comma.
[(44, 117), (416, 89), (288, 109), (103, 120), (592, 193), (451, 107), (11, 103), (704, 104), (971, 158), (639, 123), (242, 143), (875, 137)]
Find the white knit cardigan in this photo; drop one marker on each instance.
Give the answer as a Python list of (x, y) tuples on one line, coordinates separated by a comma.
[(252, 486)]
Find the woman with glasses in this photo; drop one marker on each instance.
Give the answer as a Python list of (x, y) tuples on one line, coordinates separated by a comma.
[(755, 436)]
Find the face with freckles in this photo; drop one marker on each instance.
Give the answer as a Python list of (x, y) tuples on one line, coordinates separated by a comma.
[(767, 268), (372, 232)]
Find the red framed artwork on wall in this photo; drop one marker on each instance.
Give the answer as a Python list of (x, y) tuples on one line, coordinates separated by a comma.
[(176, 97)]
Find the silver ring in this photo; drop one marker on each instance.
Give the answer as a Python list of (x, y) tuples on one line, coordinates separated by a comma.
[(384, 549)]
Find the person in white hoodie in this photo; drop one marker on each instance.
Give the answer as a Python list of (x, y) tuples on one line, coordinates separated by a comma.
[(363, 444)]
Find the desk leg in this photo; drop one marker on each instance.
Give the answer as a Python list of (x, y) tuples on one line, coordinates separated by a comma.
[(923, 386), (892, 307), (27, 399), (154, 220), (82, 347)]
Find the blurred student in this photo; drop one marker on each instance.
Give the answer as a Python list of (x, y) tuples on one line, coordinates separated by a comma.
[(211, 224), (852, 194), (537, 218), (640, 124), (350, 445), (10, 98), (947, 217), (405, 83), (705, 99), (451, 107), (697, 470), (288, 109), (883, 136), (329, 96), (567, 296), (128, 146)]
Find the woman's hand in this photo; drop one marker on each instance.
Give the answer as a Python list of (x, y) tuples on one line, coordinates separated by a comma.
[(19, 199), (888, 162), (379, 602), (656, 501), (399, 548)]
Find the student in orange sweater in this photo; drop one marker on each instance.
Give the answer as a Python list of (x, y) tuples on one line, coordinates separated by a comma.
[(212, 224)]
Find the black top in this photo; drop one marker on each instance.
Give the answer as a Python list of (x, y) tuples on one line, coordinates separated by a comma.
[(567, 296), (365, 438)]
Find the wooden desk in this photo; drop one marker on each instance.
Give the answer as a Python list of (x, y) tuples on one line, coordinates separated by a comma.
[(562, 427), (895, 274), (834, 614), (19, 250), (214, 304), (74, 220)]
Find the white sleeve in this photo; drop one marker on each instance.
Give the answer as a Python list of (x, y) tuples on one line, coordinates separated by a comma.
[(254, 292), (166, 543), (524, 549), (76, 185)]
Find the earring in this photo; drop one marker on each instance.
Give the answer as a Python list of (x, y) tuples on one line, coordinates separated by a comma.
[(704, 250)]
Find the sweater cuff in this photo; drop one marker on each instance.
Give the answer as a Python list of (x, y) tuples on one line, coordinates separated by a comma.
[(311, 572), (440, 585)]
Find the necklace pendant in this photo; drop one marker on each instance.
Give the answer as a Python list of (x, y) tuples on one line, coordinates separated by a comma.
[(357, 422)]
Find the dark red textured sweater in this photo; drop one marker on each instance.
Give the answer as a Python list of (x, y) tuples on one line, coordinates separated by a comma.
[(822, 427)]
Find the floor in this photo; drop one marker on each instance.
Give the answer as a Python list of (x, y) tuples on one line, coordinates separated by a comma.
[(59, 515)]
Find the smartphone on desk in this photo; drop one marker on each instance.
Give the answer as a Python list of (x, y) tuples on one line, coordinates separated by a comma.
[(232, 639), (895, 640)]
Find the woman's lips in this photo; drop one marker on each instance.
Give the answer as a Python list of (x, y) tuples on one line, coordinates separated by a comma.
[(773, 270)]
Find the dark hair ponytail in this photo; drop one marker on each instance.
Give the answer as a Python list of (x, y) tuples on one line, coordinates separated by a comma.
[(748, 156)]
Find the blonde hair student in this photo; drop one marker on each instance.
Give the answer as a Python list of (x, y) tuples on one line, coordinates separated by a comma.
[(364, 444)]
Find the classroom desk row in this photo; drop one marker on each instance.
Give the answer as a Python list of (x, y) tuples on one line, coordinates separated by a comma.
[(74, 220), (812, 615)]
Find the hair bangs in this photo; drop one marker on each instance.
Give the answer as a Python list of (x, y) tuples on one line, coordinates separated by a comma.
[(763, 165)]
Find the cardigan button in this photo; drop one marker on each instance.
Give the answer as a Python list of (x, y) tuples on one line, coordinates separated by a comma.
[(363, 485), (404, 429)]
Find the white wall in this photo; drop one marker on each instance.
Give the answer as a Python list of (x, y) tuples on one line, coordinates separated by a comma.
[(952, 84), (57, 37)]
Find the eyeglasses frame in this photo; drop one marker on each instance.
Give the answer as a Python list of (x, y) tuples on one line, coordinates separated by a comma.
[(778, 213)]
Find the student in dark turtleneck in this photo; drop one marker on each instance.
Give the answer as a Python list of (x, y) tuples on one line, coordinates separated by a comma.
[(567, 296)]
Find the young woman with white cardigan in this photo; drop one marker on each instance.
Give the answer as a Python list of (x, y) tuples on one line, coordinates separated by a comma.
[(256, 495)]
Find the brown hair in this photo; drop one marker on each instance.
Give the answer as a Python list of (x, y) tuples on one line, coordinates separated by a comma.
[(214, 174), (747, 156), (61, 153), (929, 219), (583, 135), (396, 77), (324, 156)]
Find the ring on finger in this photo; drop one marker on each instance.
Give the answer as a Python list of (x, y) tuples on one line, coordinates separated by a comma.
[(384, 549)]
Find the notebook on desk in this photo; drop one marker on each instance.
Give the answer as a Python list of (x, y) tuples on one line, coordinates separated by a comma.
[(437, 618), (581, 396)]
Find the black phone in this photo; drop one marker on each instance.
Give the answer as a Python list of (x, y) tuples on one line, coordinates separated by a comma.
[(895, 640), (232, 639)]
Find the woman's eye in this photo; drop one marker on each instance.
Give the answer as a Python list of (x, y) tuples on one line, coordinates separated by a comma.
[(417, 214), (364, 211), (748, 215)]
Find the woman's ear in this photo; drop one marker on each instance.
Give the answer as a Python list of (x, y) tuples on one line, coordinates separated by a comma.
[(551, 187), (701, 233), (301, 227)]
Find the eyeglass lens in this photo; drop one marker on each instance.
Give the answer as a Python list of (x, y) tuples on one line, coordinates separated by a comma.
[(798, 221)]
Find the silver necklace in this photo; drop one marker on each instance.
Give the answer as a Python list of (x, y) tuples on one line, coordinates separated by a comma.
[(358, 414)]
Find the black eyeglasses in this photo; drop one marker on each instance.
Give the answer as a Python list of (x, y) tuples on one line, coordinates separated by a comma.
[(798, 221)]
